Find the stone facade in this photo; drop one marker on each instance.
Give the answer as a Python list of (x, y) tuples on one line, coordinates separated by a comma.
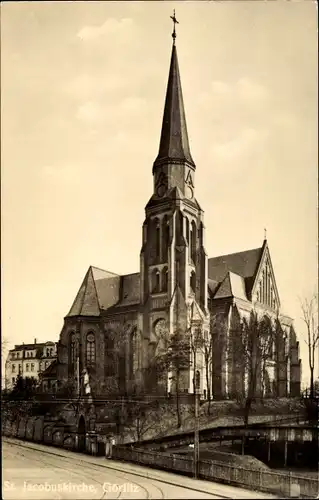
[(113, 328)]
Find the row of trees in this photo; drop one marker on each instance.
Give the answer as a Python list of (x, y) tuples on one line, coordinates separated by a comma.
[(255, 344), (173, 355)]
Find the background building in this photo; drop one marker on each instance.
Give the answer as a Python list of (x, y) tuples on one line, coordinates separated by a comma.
[(114, 325), (29, 360)]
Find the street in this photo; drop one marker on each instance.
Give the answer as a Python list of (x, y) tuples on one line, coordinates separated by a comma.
[(31, 471)]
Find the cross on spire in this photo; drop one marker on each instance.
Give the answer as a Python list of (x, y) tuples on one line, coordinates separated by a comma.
[(173, 17), (265, 233)]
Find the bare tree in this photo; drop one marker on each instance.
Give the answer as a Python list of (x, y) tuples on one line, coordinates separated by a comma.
[(4, 346), (173, 358), (310, 317), (255, 348), (141, 416)]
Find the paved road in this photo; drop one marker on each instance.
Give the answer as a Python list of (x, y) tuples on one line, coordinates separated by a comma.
[(32, 471)]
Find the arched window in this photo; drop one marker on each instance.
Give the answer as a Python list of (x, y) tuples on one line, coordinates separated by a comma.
[(165, 232), (157, 239), (90, 349), (155, 281), (193, 242), (165, 279), (110, 355), (132, 353), (193, 281), (181, 222), (73, 349), (187, 230)]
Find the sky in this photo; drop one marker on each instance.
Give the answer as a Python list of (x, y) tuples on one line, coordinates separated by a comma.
[(83, 87)]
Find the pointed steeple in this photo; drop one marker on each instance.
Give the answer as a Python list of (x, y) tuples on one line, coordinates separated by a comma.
[(174, 145)]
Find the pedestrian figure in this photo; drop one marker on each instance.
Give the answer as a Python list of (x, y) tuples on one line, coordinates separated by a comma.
[(107, 448), (112, 443)]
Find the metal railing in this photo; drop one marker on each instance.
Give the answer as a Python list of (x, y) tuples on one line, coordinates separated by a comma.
[(278, 483)]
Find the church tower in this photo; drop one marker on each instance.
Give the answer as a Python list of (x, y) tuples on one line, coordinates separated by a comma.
[(173, 259)]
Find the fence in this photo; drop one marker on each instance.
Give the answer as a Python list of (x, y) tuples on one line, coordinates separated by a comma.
[(288, 485)]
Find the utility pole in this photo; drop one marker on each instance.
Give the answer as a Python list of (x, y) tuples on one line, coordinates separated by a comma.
[(196, 434), (194, 334), (78, 374)]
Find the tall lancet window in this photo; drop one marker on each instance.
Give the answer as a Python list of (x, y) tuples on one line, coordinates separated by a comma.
[(193, 281), (90, 349), (155, 281), (165, 279), (73, 352), (73, 349), (269, 288), (187, 230), (165, 232), (181, 223), (157, 239), (110, 355), (264, 287), (193, 242)]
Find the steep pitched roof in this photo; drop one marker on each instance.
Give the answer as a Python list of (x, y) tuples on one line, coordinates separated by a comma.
[(231, 286), (101, 290), (130, 290), (107, 286), (212, 285), (174, 144), (86, 302), (244, 264)]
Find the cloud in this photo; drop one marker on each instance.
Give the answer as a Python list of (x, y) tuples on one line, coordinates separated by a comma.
[(244, 90), (90, 112), (94, 112), (85, 85), (248, 90), (239, 147), (110, 28), (61, 173), (132, 105)]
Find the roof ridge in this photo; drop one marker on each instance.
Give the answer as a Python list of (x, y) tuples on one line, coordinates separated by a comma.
[(86, 284), (96, 294), (104, 270), (236, 274), (236, 253)]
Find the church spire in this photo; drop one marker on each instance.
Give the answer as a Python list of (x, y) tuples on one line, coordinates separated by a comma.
[(174, 145)]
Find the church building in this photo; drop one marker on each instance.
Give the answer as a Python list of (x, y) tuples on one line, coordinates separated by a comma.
[(113, 327)]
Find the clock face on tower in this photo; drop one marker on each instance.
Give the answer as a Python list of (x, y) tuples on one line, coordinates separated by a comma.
[(189, 192), (161, 184), (189, 185), (161, 190)]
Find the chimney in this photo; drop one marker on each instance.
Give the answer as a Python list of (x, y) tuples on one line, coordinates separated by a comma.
[(35, 341)]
